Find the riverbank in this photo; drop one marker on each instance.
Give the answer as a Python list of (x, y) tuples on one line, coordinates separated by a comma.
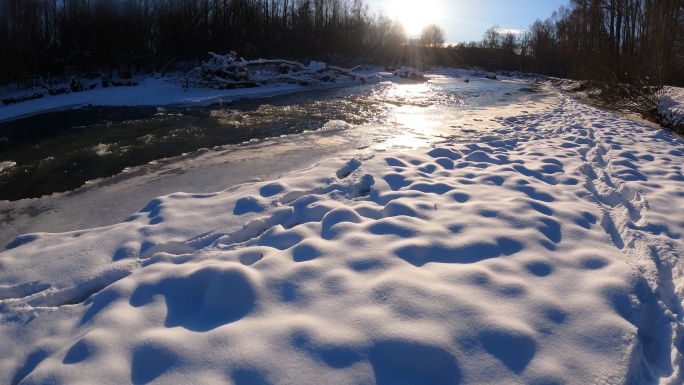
[(188, 90), (63, 151), (664, 108), (162, 91), (539, 245), (214, 169)]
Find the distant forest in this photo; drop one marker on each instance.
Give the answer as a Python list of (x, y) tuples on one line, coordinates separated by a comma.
[(602, 39), (632, 41), (50, 40), (54, 37)]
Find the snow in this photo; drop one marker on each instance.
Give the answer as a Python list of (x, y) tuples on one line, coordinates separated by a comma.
[(7, 164), (542, 246), (671, 107), (316, 66), (221, 78), (150, 92), (409, 73)]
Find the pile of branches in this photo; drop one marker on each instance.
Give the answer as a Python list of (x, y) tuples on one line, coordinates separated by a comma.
[(230, 72), (640, 98)]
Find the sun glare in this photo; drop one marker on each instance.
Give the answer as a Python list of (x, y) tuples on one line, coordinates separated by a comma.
[(414, 15)]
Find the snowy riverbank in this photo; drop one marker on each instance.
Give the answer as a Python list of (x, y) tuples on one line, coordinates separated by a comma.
[(545, 249), (178, 91), (221, 79), (150, 92)]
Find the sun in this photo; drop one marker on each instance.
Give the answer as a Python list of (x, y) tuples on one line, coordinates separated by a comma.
[(414, 15)]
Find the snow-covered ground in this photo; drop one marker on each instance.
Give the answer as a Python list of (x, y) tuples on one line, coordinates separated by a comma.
[(670, 108), (542, 246), (201, 86), (151, 91)]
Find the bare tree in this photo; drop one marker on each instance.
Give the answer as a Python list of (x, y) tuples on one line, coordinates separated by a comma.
[(432, 36), (492, 37)]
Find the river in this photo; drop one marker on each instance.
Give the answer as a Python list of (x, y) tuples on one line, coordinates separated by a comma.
[(94, 166)]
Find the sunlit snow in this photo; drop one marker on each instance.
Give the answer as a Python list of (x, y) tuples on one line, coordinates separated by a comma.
[(542, 246)]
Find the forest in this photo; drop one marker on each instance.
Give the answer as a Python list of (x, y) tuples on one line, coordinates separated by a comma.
[(627, 40), (630, 41), (50, 40)]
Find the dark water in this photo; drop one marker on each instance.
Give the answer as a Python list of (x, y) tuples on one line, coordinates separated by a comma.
[(60, 151)]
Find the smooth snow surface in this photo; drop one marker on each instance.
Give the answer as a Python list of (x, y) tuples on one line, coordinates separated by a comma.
[(542, 251)]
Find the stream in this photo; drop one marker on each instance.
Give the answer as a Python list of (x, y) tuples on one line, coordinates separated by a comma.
[(62, 151)]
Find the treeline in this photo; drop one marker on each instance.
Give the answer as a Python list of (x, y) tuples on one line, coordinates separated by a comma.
[(43, 40), (613, 40), (50, 38)]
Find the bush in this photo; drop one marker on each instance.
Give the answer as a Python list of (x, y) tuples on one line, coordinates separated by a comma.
[(9, 101)]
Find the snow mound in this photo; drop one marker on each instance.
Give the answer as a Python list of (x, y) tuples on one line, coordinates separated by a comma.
[(409, 73), (316, 66), (543, 251), (7, 164), (671, 107)]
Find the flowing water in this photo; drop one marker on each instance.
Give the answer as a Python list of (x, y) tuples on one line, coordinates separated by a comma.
[(61, 151)]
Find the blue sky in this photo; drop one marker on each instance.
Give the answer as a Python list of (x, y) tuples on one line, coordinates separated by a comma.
[(466, 20)]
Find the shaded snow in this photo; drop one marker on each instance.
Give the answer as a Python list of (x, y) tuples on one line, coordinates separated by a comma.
[(543, 251), (671, 106), (150, 92), (180, 90)]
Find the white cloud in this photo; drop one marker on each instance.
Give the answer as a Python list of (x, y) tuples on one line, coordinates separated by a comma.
[(511, 30)]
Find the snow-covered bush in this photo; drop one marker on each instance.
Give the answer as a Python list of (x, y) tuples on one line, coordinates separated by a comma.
[(409, 73), (19, 99), (671, 108)]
